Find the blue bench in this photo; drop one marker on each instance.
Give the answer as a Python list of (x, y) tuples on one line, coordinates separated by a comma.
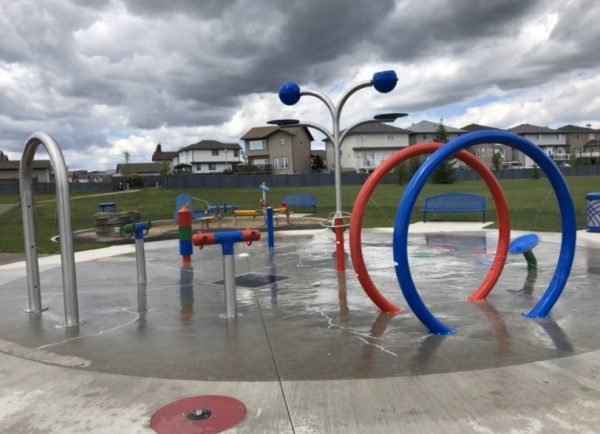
[(454, 202), (301, 200)]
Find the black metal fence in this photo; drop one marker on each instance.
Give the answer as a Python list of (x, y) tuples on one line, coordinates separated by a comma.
[(49, 187), (299, 180), (469, 175)]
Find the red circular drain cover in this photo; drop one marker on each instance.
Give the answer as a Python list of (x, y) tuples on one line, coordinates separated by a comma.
[(179, 416)]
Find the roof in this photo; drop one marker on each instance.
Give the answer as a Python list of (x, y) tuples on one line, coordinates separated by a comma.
[(378, 148), (260, 132), (15, 164), (378, 128), (264, 132), (211, 144), (576, 129), (531, 129), (141, 168), (163, 156), (477, 127), (431, 127), (593, 143)]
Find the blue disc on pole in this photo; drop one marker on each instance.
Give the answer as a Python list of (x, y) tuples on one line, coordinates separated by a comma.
[(523, 243)]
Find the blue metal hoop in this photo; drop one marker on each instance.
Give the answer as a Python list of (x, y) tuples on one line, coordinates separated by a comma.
[(405, 207)]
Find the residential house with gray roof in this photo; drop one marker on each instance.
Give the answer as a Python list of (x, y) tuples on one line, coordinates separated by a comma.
[(425, 131), (207, 156), (552, 141), (366, 146), (582, 141), (486, 151), (42, 170), (278, 150)]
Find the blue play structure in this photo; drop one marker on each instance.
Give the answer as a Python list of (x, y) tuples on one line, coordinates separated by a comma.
[(405, 207), (211, 210)]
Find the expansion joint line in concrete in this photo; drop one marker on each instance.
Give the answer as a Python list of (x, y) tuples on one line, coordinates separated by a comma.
[(262, 319)]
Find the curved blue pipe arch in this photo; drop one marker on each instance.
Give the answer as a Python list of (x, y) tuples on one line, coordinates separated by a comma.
[(405, 207)]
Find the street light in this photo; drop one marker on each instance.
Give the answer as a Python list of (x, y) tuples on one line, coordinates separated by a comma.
[(290, 93)]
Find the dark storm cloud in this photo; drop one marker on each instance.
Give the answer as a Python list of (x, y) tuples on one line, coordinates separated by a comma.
[(305, 35), (191, 63), (433, 27), (198, 8)]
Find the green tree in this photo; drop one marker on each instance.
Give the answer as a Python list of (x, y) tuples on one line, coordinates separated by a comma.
[(401, 173), (165, 170), (316, 162), (125, 169), (446, 173), (496, 160)]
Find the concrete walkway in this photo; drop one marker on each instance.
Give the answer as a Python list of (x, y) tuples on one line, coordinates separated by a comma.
[(308, 352)]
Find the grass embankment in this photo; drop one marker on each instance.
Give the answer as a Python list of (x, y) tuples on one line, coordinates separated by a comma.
[(531, 202)]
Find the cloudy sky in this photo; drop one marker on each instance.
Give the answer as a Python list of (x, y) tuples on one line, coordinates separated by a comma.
[(108, 76)]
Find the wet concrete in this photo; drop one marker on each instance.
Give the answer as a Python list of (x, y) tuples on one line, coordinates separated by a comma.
[(298, 318)]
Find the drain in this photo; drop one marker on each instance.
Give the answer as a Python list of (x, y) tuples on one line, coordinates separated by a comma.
[(199, 414)]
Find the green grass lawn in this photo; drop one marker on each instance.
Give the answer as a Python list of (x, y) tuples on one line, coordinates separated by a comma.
[(532, 205)]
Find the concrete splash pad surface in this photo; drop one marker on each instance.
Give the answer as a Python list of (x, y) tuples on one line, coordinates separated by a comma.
[(307, 322)]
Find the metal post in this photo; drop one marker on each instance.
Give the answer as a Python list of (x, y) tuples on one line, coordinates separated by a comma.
[(271, 237), (338, 223), (229, 280), (140, 259), (290, 94), (64, 227)]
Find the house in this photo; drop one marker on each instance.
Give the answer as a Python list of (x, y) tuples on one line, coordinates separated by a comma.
[(84, 177), (366, 146), (42, 171), (141, 169), (553, 142), (591, 151), (163, 157), (207, 156), (279, 150), (486, 151), (425, 131), (580, 140)]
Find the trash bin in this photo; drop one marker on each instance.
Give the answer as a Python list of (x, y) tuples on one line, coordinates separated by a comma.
[(592, 212)]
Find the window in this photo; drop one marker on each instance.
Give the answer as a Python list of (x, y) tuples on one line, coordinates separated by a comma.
[(282, 141), (215, 152), (236, 153), (280, 162), (390, 137), (257, 145), (212, 166), (259, 161)]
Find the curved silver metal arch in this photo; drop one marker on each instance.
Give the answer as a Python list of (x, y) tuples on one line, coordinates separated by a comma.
[(64, 226)]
